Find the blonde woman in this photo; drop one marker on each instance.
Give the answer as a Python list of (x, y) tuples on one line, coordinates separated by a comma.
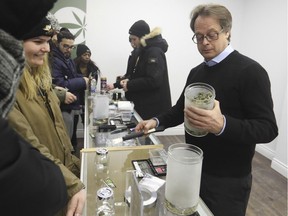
[(36, 115)]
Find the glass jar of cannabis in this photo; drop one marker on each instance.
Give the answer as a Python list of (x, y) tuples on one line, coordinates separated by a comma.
[(200, 95)]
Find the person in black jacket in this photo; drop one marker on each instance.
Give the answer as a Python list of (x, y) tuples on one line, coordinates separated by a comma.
[(242, 116), (30, 183), (64, 74), (87, 68), (146, 81)]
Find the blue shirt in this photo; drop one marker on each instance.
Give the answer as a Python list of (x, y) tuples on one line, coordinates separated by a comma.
[(229, 49)]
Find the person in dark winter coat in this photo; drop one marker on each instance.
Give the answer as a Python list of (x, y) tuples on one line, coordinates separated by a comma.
[(65, 75), (146, 81), (85, 67), (242, 115), (30, 183)]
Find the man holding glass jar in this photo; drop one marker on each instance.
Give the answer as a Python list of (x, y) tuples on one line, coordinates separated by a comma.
[(245, 117)]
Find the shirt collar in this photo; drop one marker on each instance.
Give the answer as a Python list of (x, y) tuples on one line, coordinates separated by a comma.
[(229, 49)]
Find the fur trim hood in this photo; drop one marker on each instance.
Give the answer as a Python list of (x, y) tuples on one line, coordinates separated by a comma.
[(154, 39)]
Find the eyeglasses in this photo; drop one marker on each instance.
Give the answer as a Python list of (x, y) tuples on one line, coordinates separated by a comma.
[(66, 46), (211, 36)]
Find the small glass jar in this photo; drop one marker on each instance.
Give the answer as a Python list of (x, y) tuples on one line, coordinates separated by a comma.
[(93, 84), (102, 156), (103, 84), (101, 163), (105, 202)]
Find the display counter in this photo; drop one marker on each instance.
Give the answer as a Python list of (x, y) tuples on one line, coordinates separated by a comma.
[(93, 138), (120, 161)]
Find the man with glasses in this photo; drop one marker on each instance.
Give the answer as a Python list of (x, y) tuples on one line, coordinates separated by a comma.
[(65, 75), (242, 116)]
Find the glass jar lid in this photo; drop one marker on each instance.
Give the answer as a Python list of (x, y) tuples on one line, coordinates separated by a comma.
[(101, 151), (104, 193)]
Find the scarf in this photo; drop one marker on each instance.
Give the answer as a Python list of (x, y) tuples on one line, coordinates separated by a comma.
[(11, 68)]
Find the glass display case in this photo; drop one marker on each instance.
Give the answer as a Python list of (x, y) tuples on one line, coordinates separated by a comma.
[(93, 137), (120, 161), (120, 156)]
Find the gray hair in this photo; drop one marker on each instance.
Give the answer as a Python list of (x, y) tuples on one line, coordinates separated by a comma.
[(219, 12)]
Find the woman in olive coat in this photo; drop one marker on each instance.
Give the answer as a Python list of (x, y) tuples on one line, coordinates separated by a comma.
[(37, 117)]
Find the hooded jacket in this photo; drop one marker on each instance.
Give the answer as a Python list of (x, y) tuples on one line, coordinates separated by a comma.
[(148, 85)]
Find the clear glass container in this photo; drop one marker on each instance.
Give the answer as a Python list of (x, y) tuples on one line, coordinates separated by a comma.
[(105, 202), (101, 163), (101, 106), (199, 95), (183, 178)]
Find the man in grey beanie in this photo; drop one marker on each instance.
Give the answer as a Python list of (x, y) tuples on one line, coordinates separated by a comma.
[(31, 184)]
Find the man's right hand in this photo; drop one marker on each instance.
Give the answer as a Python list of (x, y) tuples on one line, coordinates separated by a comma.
[(146, 125)]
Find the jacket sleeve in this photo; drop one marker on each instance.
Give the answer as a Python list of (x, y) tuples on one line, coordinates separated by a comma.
[(66, 79), (61, 94), (26, 175), (153, 72), (21, 125)]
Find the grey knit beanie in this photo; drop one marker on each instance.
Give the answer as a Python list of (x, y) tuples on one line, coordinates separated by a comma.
[(11, 66)]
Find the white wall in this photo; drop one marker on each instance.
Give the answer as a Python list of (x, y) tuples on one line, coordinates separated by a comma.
[(263, 20), (259, 31)]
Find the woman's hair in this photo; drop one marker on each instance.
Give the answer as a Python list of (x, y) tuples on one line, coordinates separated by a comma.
[(35, 78), (91, 66), (78, 61)]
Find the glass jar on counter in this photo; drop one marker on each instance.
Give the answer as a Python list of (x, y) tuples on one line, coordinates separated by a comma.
[(105, 202), (101, 163), (103, 84)]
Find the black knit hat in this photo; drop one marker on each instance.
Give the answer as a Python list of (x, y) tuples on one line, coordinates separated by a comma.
[(42, 29), (81, 49), (139, 29), (17, 17)]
